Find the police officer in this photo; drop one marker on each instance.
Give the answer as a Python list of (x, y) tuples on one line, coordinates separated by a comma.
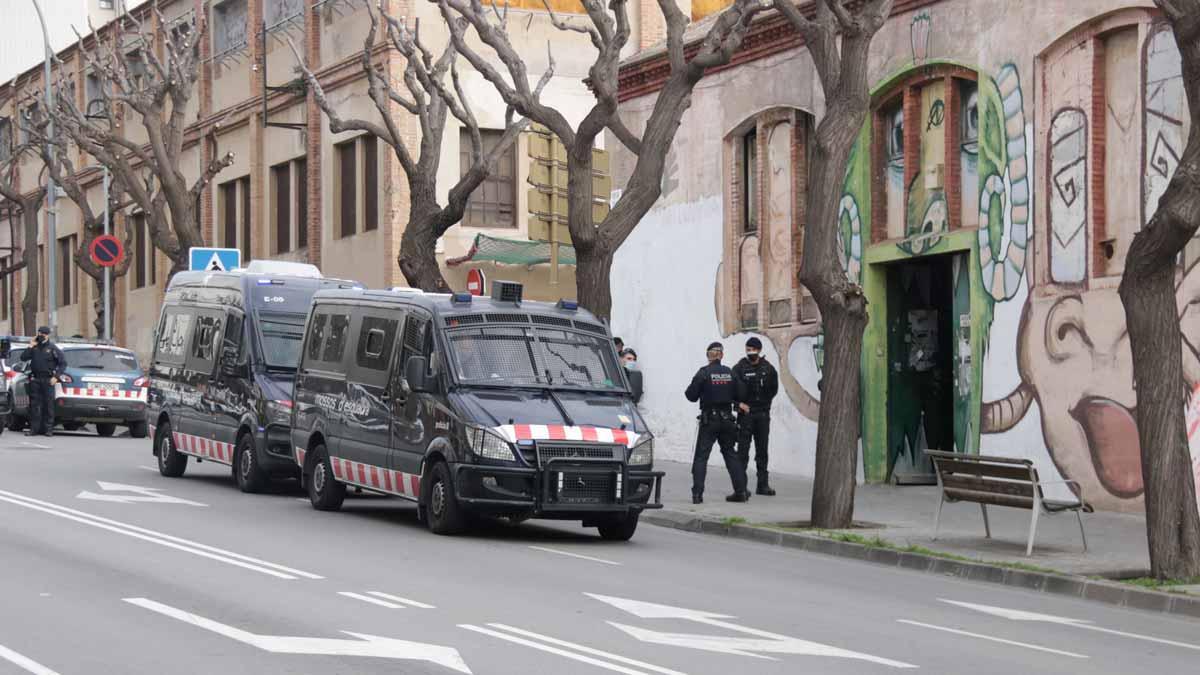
[(46, 366), (713, 387), (757, 383)]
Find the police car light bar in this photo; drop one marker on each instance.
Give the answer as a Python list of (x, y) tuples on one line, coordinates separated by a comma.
[(460, 299), (569, 305), (287, 267)]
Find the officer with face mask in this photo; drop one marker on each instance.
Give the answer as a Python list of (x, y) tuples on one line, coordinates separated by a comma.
[(757, 384), (713, 387), (46, 365)]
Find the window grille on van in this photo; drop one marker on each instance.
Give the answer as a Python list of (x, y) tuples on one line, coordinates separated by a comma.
[(551, 320), (591, 328), (508, 318), (464, 319)]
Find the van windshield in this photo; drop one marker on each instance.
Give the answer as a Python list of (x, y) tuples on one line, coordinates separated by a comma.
[(533, 357), (280, 336)]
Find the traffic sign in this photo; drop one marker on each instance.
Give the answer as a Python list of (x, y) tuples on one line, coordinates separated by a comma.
[(204, 259), (476, 282), (106, 250)]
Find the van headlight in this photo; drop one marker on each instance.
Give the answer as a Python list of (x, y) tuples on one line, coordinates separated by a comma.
[(279, 411), (642, 453), (488, 445)]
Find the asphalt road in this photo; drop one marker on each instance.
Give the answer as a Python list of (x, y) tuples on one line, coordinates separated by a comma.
[(145, 574)]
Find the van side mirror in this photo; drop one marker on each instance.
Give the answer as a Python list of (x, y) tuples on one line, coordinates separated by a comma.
[(415, 373)]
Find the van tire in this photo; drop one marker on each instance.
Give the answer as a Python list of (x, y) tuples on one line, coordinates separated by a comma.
[(619, 527), (324, 491), (171, 462), (443, 514), (104, 430), (138, 430), (249, 475)]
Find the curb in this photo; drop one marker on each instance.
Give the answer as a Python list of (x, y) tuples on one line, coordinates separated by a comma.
[(1109, 592)]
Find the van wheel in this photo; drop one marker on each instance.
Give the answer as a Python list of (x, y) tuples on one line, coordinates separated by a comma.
[(442, 511), (619, 527), (249, 475), (324, 491), (104, 430), (171, 462), (138, 430)]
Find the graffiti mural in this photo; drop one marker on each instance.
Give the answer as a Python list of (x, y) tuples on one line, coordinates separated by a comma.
[(1068, 196)]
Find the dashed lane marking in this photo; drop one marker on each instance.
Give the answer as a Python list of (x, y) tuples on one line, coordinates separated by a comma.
[(573, 555)]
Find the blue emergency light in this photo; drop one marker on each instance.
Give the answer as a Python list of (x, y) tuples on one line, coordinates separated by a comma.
[(569, 305), (460, 299)]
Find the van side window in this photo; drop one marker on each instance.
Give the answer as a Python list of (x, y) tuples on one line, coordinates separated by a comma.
[(376, 338), (316, 337), (204, 340), (232, 344), (414, 339), (335, 344), (174, 336)]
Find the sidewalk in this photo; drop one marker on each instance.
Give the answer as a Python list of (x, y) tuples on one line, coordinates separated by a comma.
[(904, 516)]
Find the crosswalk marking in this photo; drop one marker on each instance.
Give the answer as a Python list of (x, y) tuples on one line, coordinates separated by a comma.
[(373, 601), (403, 601)]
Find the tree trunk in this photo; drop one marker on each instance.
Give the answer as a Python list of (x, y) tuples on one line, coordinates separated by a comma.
[(592, 281), (418, 257), (1148, 293), (33, 270)]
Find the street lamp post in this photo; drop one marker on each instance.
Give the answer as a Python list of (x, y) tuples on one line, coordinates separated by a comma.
[(51, 196)]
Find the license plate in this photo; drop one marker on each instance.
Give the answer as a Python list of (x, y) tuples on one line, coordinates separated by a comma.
[(101, 386)]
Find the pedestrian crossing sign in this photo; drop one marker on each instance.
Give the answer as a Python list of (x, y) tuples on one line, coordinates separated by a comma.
[(204, 259)]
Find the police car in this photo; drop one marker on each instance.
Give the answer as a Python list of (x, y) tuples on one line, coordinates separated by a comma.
[(102, 385), (470, 406), (224, 359)]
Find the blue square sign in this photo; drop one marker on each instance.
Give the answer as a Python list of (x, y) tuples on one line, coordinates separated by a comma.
[(203, 259)]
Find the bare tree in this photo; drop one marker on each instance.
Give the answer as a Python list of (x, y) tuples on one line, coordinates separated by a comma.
[(429, 100), (608, 29), (150, 82), (838, 36), (29, 205), (1148, 293)]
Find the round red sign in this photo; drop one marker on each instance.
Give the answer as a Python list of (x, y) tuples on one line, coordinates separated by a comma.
[(107, 250), (476, 282)]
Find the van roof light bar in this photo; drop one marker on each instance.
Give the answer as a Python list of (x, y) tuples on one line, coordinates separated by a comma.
[(568, 305), (460, 299)]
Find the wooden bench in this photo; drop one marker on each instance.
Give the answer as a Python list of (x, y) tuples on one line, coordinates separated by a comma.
[(999, 481)]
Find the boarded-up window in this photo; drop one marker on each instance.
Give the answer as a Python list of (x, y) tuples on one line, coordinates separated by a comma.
[(301, 171), (370, 183), (492, 204), (750, 181), (347, 180), (4, 297), (1122, 138), (227, 195), (281, 177), (244, 188), (143, 263), (66, 271), (229, 26)]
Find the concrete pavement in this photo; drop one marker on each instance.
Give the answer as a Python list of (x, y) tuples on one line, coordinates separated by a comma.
[(903, 515), (191, 576)]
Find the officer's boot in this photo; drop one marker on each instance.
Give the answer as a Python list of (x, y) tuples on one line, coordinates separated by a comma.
[(738, 497), (763, 487), (697, 497)]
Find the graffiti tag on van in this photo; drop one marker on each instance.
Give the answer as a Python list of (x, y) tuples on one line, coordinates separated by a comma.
[(339, 404)]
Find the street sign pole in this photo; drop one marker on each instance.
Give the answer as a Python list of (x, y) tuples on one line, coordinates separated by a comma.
[(108, 308)]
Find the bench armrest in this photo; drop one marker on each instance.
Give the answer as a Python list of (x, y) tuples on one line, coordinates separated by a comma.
[(1065, 481)]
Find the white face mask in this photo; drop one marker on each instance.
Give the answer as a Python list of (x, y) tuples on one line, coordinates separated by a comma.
[(631, 365)]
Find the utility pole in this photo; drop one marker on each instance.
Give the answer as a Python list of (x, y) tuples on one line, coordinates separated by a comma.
[(51, 246)]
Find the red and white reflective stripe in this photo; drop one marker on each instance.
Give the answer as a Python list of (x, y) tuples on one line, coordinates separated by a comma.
[(205, 448), (300, 454), (397, 483), (558, 432), (89, 392)]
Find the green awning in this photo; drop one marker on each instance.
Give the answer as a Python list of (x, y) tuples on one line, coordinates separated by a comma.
[(513, 252)]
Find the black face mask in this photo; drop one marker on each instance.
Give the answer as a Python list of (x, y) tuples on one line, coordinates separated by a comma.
[(754, 357)]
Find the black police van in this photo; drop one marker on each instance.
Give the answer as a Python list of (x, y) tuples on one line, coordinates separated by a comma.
[(225, 357), (470, 406)]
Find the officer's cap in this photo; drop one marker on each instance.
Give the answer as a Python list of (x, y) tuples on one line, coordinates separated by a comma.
[(717, 346), (753, 343), (45, 330)]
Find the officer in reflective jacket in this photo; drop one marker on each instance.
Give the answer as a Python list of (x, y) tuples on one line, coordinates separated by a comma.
[(713, 387), (46, 366)]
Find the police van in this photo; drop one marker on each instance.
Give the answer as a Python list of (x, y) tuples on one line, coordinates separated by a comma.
[(470, 406), (225, 356)]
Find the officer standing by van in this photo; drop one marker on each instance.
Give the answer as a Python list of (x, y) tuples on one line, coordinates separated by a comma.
[(757, 383), (46, 366), (713, 386)]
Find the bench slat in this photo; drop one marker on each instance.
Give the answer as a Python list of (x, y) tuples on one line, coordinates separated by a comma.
[(947, 466), (958, 494), (974, 483)]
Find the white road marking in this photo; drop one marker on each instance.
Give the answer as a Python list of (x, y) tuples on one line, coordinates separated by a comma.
[(160, 538), (553, 650), (24, 662), (373, 601), (365, 645), (585, 649), (148, 468), (1022, 615), (762, 643), (993, 639), (140, 495), (403, 601), (31, 444), (574, 555)]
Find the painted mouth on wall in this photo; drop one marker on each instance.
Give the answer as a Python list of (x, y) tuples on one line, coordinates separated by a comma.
[(1112, 438)]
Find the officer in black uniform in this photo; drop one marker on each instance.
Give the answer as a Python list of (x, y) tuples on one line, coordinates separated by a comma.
[(757, 383), (46, 366), (713, 387)]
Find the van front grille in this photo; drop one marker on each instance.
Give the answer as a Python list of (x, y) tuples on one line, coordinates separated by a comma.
[(584, 451), (587, 488)]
